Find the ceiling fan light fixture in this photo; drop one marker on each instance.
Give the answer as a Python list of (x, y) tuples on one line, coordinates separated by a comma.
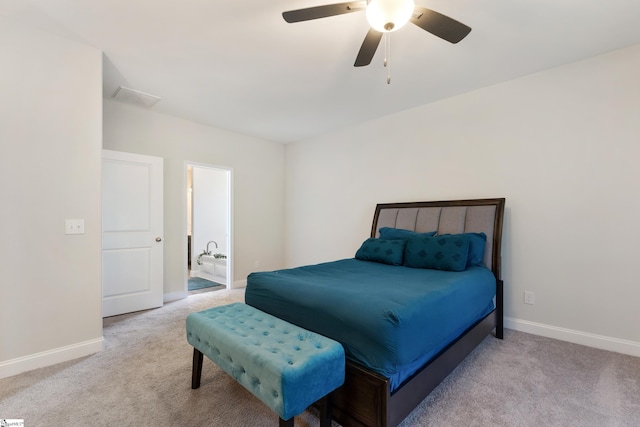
[(389, 15)]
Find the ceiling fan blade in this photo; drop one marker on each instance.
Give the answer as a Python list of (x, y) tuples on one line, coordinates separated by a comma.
[(439, 25), (368, 48), (325, 11)]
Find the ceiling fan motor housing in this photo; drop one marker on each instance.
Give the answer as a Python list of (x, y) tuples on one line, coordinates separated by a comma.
[(389, 15)]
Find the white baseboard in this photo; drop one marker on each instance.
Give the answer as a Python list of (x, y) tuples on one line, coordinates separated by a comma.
[(19, 365), (617, 345), (174, 296)]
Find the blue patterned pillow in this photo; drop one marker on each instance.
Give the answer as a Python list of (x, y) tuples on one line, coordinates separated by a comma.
[(382, 250), (446, 252), (400, 233), (477, 242)]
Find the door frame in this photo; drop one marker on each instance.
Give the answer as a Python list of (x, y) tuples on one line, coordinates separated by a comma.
[(231, 255)]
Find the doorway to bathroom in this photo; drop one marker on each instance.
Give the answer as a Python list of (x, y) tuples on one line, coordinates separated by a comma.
[(209, 218)]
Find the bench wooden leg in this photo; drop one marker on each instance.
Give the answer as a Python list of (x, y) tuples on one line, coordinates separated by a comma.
[(325, 411), (287, 423), (196, 372)]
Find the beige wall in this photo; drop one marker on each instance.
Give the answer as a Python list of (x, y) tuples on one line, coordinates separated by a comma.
[(562, 146), (50, 144), (258, 185)]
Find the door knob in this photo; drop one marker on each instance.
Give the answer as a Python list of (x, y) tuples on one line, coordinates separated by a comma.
[(158, 239)]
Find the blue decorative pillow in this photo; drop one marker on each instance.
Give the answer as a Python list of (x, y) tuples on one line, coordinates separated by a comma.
[(400, 233), (446, 252), (382, 250), (477, 242)]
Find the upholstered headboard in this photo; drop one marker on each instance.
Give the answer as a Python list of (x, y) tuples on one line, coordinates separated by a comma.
[(453, 216)]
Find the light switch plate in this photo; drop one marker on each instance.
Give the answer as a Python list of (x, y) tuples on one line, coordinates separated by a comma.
[(74, 226)]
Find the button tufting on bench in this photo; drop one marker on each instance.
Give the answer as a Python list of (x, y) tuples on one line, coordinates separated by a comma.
[(285, 366)]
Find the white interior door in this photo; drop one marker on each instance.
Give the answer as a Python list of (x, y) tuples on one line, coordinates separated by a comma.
[(132, 229)]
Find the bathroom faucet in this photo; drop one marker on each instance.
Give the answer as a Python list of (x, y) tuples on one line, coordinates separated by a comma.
[(208, 243)]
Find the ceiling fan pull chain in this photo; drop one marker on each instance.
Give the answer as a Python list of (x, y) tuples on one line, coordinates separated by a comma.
[(386, 48), (387, 55)]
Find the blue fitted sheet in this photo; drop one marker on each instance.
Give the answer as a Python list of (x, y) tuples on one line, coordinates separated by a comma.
[(390, 319)]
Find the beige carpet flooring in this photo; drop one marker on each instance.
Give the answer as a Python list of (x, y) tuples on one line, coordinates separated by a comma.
[(143, 378)]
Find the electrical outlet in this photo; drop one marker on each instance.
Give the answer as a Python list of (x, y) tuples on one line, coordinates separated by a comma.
[(529, 297), (74, 226)]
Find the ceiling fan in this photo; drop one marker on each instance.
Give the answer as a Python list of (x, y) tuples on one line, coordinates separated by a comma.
[(385, 16)]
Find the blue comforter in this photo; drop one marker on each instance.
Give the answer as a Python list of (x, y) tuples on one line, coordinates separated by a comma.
[(390, 319)]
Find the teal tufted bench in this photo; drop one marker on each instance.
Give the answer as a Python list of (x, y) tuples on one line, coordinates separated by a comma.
[(286, 367)]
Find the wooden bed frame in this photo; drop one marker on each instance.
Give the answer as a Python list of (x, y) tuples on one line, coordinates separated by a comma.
[(366, 399)]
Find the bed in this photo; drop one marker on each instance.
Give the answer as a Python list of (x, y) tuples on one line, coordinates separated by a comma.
[(405, 323)]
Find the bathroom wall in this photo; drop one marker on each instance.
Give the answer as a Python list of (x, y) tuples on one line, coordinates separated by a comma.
[(210, 211)]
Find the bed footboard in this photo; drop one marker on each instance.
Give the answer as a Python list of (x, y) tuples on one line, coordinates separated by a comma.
[(365, 398)]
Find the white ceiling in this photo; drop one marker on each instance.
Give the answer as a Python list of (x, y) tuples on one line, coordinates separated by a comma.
[(237, 65)]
